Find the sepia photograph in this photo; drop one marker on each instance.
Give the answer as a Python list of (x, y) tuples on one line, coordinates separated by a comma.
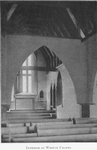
[(48, 72)]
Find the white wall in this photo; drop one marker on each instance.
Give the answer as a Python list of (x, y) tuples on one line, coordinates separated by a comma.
[(91, 61), (4, 65)]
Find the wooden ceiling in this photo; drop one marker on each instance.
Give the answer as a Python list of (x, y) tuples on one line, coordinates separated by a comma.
[(60, 19)]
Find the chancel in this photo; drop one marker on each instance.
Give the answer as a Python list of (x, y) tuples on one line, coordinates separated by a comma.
[(48, 71)]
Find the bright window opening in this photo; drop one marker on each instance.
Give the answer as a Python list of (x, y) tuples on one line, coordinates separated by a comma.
[(24, 84), (25, 76)]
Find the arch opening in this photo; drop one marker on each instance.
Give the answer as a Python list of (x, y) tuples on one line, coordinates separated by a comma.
[(49, 75), (59, 90)]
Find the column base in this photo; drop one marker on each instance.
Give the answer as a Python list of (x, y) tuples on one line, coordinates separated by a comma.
[(93, 110), (4, 109), (85, 110)]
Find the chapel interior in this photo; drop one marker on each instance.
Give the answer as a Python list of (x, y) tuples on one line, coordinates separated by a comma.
[(48, 71)]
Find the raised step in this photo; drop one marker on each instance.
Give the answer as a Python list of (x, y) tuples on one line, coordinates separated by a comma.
[(32, 111), (30, 117), (29, 114), (66, 138)]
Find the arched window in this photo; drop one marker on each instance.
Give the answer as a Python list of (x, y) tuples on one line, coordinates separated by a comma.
[(59, 89), (41, 94), (25, 75)]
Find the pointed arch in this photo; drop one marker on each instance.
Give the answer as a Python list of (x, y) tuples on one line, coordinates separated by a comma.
[(54, 96), (51, 98), (59, 89)]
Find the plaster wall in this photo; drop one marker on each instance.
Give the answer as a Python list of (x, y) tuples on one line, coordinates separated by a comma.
[(91, 49), (91, 61), (4, 66)]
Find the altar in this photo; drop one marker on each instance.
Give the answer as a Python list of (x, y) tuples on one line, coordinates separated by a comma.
[(24, 101), (28, 101)]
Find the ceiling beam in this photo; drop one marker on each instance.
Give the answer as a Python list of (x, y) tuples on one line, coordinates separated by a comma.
[(74, 21), (88, 36), (72, 17), (11, 11)]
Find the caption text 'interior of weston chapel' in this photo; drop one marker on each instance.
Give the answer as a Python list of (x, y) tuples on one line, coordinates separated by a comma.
[(48, 71)]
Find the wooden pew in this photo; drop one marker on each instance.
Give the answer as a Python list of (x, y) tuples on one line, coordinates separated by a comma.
[(35, 120), (9, 133), (13, 130), (55, 123), (7, 138), (24, 135), (21, 124), (63, 126), (16, 125), (18, 130), (87, 120), (70, 131), (65, 138)]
